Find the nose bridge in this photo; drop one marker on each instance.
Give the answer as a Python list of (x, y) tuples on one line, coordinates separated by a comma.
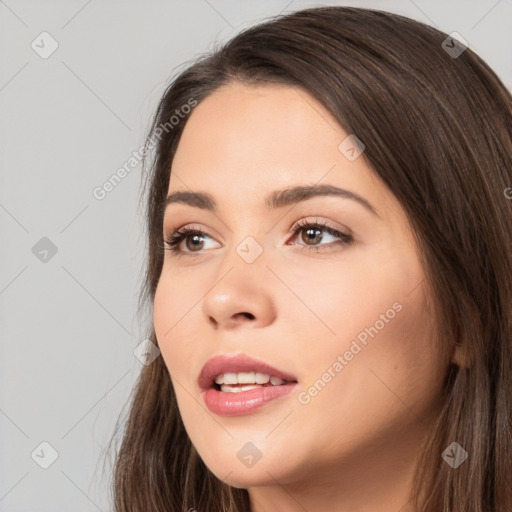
[(249, 253), (240, 292), (247, 238)]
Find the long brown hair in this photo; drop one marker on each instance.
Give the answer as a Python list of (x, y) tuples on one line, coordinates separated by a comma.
[(437, 129)]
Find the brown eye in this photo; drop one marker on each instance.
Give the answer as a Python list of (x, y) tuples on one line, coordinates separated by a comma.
[(194, 241), (313, 233)]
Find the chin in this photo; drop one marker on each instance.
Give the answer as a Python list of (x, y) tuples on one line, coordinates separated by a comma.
[(244, 478)]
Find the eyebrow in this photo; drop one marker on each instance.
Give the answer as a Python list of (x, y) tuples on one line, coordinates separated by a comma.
[(277, 199)]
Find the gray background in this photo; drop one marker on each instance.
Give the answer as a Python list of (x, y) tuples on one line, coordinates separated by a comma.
[(69, 121)]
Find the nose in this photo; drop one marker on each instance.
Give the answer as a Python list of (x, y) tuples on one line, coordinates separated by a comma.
[(241, 297)]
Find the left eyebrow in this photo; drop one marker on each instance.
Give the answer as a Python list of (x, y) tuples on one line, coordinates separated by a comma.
[(276, 199)]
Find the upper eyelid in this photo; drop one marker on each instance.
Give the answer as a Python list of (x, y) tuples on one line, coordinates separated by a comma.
[(300, 223), (306, 219), (342, 232)]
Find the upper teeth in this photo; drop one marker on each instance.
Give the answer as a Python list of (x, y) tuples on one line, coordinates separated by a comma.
[(248, 378)]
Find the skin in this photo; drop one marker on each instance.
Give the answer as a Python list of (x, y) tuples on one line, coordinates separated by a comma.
[(353, 446)]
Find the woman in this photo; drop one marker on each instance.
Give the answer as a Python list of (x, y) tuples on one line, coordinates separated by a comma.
[(330, 271)]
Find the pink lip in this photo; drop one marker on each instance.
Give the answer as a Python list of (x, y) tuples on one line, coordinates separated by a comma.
[(234, 404), (234, 364)]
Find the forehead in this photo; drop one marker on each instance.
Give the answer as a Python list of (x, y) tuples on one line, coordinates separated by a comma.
[(250, 125), (242, 142)]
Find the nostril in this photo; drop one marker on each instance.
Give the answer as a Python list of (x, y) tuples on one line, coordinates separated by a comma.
[(250, 316)]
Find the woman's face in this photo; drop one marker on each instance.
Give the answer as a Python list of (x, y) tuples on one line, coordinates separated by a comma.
[(346, 317)]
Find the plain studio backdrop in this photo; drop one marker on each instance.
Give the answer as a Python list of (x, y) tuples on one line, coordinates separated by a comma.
[(79, 81)]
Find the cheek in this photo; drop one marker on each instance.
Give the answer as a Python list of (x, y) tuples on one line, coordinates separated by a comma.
[(173, 311), (381, 365), (371, 311), (339, 299)]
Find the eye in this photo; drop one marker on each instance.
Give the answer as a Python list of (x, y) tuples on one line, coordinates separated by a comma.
[(194, 239), (312, 235)]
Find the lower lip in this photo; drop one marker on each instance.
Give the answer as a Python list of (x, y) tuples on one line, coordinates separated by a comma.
[(245, 402)]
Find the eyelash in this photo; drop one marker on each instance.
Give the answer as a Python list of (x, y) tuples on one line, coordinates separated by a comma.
[(173, 241)]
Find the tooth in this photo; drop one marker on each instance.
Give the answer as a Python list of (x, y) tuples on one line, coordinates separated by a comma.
[(262, 378), (246, 378), (249, 387), (230, 378), (238, 389)]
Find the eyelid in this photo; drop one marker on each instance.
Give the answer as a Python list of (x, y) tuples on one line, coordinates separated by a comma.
[(188, 230), (316, 221), (193, 226), (306, 221)]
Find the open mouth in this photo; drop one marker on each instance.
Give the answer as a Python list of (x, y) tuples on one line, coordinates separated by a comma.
[(239, 399), (246, 381), (240, 384)]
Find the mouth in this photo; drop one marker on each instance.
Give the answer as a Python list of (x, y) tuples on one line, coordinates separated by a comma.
[(233, 386), (245, 381)]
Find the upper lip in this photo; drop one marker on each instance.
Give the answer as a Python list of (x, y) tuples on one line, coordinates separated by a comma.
[(219, 364)]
